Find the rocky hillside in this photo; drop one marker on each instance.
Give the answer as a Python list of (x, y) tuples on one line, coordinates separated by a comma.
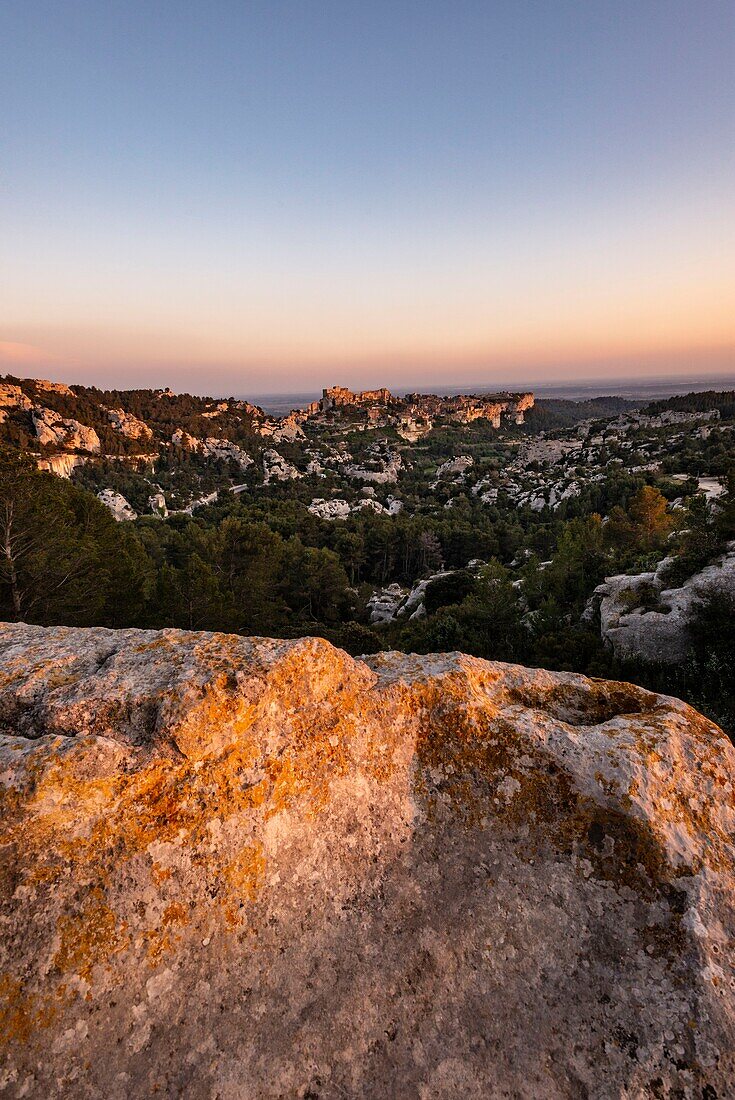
[(234, 867)]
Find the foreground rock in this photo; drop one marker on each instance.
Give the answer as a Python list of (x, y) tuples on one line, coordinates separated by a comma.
[(246, 868)]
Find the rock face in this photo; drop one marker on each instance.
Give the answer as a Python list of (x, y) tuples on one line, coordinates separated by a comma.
[(118, 505), (129, 425), (63, 465), (12, 397), (276, 468), (53, 430), (640, 617), (212, 448), (236, 867)]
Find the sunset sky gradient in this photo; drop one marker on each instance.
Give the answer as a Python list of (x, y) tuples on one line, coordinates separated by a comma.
[(247, 197)]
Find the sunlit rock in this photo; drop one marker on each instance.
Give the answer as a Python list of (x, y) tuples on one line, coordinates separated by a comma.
[(247, 868)]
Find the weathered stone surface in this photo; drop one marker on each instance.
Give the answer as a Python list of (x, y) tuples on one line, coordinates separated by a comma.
[(243, 868), (128, 425), (12, 396), (212, 448), (118, 505), (53, 430), (660, 634), (276, 468)]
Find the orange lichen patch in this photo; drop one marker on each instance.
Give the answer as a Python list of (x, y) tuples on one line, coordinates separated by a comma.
[(160, 874), (677, 802), (90, 937), (161, 941), (175, 913), (466, 758), (21, 1013), (214, 721), (161, 642), (244, 877)]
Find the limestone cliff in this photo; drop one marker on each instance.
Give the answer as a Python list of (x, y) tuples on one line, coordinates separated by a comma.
[(239, 868)]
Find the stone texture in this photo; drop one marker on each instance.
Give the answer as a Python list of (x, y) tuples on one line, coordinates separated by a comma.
[(12, 397), (242, 868), (276, 468), (660, 634), (53, 430), (128, 425), (212, 448)]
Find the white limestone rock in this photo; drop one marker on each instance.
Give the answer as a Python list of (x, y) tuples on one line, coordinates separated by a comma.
[(117, 504), (330, 509), (129, 425), (276, 468), (53, 430), (659, 634), (157, 503)]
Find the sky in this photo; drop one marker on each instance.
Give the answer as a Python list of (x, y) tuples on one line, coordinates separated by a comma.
[(246, 197)]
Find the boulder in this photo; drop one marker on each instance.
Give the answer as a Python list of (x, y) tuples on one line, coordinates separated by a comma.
[(640, 618), (234, 867), (384, 603), (330, 509)]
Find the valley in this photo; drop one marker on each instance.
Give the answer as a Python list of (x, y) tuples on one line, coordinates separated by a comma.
[(593, 536)]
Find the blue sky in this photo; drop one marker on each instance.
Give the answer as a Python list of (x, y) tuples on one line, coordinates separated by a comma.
[(276, 195)]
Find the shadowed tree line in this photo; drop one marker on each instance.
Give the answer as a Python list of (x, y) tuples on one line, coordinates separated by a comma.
[(271, 568)]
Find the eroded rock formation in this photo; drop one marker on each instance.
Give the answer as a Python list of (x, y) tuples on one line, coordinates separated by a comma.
[(128, 425), (640, 617), (237, 868), (118, 505), (53, 430)]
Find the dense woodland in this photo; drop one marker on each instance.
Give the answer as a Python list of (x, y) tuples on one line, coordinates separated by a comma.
[(262, 564)]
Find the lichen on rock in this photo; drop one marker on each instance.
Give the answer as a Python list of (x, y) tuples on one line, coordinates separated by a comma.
[(237, 867)]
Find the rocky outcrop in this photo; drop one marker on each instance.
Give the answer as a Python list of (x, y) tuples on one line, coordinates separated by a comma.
[(383, 465), (641, 618), (454, 468), (338, 396), (338, 508), (53, 430), (384, 603), (276, 468), (129, 425), (118, 505), (157, 503), (45, 386), (12, 397), (330, 509), (286, 430), (235, 867), (63, 465), (212, 448)]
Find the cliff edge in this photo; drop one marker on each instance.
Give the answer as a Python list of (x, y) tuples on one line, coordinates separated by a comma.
[(235, 868)]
